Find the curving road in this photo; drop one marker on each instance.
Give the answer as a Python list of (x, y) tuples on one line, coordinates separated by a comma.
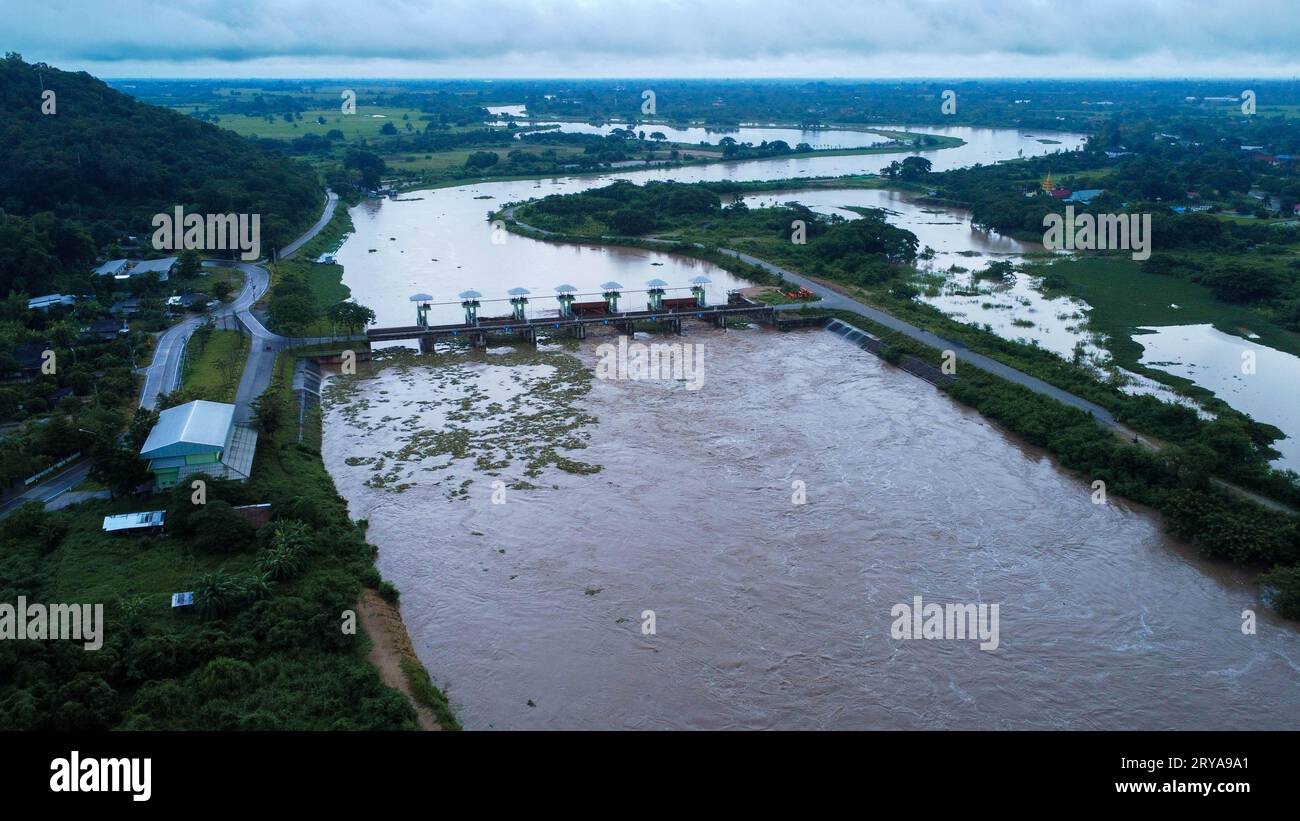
[(836, 301), (163, 373)]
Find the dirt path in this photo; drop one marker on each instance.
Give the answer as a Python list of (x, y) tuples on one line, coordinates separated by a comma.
[(383, 623)]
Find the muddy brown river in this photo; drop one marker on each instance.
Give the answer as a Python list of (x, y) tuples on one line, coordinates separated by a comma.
[(767, 613)]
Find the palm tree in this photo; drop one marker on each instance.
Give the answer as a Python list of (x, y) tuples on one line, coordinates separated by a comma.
[(216, 594), (280, 563), (258, 586), (287, 554)]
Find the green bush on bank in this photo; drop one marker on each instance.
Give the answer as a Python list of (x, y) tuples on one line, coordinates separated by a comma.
[(1175, 481), (265, 648)]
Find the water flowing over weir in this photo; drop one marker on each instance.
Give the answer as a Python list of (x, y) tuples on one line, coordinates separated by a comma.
[(771, 614), (767, 613)]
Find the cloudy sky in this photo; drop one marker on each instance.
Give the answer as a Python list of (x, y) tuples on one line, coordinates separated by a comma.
[(658, 38)]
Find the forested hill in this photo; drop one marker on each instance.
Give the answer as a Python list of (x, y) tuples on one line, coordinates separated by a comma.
[(109, 162)]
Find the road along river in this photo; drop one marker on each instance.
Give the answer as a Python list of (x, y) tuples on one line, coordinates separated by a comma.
[(679, 514)]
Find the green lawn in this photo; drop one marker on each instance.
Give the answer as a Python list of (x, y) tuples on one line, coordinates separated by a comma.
[(93, 566), (213, 367), (325, 281)]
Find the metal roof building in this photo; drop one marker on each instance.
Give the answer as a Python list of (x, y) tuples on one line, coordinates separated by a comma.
[(199, 437), (162, 267), (134, 521), (114, 267), (125, 268), (41, 303)]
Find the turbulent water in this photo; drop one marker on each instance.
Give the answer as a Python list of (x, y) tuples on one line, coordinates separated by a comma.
[(769, 613), (623, 497)]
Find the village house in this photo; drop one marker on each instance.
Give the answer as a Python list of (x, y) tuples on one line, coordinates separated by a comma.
[(199, 437), (44, 303), (126, 307), (104, 330), (113, 268), (126, 268), (28, 359)]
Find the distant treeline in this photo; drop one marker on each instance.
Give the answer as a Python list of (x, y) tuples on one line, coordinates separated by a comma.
[(1193, 164)]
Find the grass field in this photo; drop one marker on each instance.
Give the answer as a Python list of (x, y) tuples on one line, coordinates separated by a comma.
[(1124, 298), (212, 371), (324, 280), (204, 281), (365, 123), (94, 566)]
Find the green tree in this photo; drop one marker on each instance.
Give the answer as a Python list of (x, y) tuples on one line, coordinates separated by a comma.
[(286, 555), (118, 468), (217, 594), (189, 264), (369, 165), (482, 159), (350, 315), (268, 412)]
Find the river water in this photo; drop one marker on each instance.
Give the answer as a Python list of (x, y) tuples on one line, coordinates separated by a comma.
[(440, 242), (767, 614), (772, 614)]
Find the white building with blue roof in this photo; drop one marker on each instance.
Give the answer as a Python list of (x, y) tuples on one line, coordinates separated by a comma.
[(199, 437)]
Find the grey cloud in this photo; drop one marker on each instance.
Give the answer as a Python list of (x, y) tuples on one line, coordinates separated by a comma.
[(673, 33)]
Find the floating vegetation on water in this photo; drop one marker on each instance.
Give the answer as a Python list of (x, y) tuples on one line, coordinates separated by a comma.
[(514, 414)]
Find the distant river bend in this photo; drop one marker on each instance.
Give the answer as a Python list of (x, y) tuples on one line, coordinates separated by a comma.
[(768, 614)]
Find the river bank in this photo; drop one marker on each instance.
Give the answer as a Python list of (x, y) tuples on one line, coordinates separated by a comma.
[(446, 242), (769, 613), (1071, 415), (408, 186)]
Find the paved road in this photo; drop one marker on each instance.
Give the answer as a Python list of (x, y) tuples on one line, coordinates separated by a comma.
[(836, 301), (50, 488), (833, 300), (331, 200), (265, 344), (162, 374)]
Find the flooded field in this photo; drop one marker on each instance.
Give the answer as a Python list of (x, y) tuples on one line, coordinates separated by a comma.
[(532, 516), (1252, 378)]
